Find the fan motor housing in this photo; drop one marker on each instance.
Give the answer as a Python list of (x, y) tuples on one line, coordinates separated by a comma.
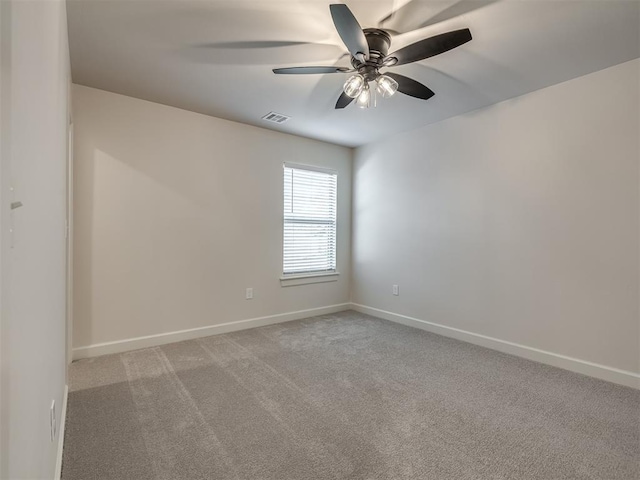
[(378, 41)]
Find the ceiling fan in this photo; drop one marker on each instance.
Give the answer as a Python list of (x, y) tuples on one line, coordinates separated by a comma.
[(369, 53)]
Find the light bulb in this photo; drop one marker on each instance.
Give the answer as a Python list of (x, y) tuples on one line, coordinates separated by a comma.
[(354, 85), (387, 86), (363, 99)]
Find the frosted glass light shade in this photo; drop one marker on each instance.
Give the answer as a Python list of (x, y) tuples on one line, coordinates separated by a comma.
[(354, 85), (387, 86), (363, 99)]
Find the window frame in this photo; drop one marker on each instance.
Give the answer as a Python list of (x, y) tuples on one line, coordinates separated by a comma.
[(303, 278)]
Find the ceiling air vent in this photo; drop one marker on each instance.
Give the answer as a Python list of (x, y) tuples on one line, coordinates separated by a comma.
[(275, 117)]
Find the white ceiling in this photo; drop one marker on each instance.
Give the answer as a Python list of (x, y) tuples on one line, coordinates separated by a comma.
[(215, 56)]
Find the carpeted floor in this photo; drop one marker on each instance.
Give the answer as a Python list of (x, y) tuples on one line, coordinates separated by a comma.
[(343, 396)]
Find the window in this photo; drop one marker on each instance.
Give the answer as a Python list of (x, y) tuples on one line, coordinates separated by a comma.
[(310, 198)]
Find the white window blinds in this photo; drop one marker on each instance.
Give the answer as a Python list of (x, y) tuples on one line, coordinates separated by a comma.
[(309, 220)]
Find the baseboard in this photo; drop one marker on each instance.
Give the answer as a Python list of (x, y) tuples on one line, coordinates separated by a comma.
[(63, 421), (178, 336), (610, 374)]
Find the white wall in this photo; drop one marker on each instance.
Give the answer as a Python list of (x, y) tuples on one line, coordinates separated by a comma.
[(176, 213), (34, 119), (519, 221)]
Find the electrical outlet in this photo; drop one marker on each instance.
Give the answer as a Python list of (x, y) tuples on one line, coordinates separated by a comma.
[(249, 294), (52, 420), (395, 290)]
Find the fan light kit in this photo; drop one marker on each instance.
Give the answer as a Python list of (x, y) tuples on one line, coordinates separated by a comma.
[(364, 97), (387, 86), (356, 87), (369, 53)]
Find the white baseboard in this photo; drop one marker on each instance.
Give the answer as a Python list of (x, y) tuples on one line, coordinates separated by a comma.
[(63, 421), (615, 375), (126, 345)]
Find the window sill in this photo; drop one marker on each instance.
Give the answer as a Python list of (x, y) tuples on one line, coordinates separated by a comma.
[(307, 278)]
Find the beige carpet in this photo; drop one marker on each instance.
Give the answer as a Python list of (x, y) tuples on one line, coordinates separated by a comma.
[(344, 396)]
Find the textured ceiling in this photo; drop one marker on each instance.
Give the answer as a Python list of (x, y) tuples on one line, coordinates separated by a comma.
[(215, 57)]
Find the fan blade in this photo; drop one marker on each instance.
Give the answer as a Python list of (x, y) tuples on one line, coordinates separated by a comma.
[(350, 30), (431, 46), (417, 14), (343, 101), (411, 87), (255, 44), (307, 70)]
